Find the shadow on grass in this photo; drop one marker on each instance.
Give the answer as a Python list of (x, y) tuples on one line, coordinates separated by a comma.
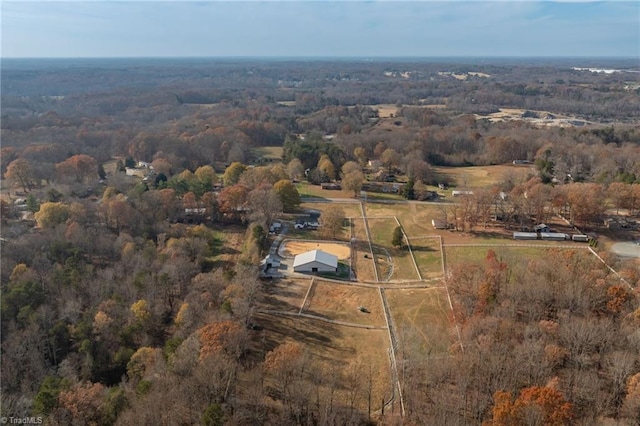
[(423, 248)]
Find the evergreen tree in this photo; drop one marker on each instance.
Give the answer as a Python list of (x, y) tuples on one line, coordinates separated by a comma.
[(398, 237), (408, 190)]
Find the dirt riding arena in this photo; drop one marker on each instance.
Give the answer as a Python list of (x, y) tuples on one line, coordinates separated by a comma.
[(293, 248)]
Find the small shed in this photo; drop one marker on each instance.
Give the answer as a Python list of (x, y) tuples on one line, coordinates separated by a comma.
[(315, 261), (438, 224), (275, 227), (269, 262)]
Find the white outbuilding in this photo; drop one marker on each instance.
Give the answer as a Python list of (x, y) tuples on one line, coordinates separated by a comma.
[(315, 261)]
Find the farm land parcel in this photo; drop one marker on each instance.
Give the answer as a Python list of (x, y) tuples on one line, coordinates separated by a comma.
[(325, 315)]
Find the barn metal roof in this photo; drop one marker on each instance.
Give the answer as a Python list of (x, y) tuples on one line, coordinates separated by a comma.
[(316, 256)]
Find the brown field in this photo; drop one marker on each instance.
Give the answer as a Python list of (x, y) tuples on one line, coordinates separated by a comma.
[(422, 318), (484, 176), (335, 351), (363, 266), (340, 302), (293, 248), (285, 294)]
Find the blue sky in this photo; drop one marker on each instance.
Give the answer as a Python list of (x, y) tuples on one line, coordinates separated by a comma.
[(319, 28)]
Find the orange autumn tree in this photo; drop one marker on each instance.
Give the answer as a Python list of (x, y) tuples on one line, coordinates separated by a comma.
[(545, 404), (495, 274), (618, 296), (225, 337), (80, 168)]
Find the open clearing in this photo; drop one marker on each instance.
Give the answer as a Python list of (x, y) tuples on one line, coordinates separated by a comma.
[(423, 320), (341, 302), (273, 153), (484, 176), (285, 295), (295, 247), (627, 249), (350, 209), (428, 257), (381, 235), (363, 266), (456, 256), (539, 118)]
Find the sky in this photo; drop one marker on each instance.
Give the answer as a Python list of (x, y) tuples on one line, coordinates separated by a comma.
[(299, 28)]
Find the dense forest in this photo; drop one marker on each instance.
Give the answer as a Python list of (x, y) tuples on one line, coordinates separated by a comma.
[(136, 206)]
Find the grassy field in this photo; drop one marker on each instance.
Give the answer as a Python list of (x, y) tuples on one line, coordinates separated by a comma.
[(462, 255), (428, 257), (350, 209), (415, 218), (340, 302), (483, 176), (308, 190), (422, 318), (285, 295), (272, 153), (363, 266), (381, 235)]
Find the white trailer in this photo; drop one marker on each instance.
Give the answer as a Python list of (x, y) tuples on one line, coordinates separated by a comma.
[(581, 238), (554, 236), (525, 236)]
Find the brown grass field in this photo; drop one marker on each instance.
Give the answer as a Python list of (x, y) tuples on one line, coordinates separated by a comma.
[(363, 266), (340, 302), (294, 248), (423, 319), (285, 294)]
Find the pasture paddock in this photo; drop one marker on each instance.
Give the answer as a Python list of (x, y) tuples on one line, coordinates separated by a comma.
[(484, 176)]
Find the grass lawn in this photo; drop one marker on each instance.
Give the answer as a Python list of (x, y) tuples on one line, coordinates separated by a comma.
[(483, 176), (308, 190), (414, 217), (422, 318), (428, 257), (381, 234), (511, 255), (350, 209)]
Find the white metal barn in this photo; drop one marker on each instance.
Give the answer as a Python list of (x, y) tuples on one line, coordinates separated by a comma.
[(315, 261)]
